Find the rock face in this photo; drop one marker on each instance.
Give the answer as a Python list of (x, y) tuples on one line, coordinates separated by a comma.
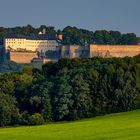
[(22, 57), (113, 50)]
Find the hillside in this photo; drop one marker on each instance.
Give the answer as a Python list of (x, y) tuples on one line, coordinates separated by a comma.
[(70, 89), (120, 126)]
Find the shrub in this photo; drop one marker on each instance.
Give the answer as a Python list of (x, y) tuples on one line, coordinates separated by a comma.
[(36, 119)]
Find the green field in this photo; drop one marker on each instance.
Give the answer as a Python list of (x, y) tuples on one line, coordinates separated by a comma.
[(120, 126)]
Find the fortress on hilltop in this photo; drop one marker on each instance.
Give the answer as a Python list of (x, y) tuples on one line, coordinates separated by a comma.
[(42, 48)]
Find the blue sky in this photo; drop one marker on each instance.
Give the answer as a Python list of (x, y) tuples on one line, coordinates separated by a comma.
[(121, 15)]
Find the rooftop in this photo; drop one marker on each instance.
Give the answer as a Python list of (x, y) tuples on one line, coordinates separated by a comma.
[(33, 36)]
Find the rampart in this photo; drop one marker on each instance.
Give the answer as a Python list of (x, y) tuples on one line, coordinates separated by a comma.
[(22, 57), (113, 50), (105, 51)]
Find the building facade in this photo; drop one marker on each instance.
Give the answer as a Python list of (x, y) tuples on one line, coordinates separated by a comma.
[(34, 43)]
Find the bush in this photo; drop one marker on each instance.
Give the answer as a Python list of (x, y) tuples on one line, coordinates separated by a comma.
[(36, 119)]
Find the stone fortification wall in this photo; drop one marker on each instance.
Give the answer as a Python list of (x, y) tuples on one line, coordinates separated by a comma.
[(73, 51), (113, 50), (22, 57)]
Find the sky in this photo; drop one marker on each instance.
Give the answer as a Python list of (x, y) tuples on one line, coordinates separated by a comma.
[(120, 15)]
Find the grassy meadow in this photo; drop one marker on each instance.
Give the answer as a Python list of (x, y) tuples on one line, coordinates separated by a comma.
[(119, 126)]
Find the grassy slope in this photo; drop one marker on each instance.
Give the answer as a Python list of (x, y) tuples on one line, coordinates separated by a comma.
[(121, 126)]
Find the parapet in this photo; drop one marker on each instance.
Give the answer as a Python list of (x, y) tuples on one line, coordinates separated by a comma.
[(113, 50)]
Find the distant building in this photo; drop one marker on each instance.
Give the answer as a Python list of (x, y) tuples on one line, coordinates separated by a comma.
[(43, 48), (30, 45), (39, 42)]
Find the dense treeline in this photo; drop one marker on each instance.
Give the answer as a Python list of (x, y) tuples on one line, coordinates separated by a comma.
[(70, 89), (74, 35)]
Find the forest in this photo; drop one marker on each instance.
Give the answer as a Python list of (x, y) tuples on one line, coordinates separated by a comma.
[(70, 89)]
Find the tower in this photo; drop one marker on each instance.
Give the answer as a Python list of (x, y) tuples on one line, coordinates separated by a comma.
[(60, 36)]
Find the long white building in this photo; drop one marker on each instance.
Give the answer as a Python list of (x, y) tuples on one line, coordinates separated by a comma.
[(40, 42)]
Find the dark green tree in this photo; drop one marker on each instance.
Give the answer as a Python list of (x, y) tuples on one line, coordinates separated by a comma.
[(81, 97), (103, 37), (62, 101), (9, 113), (129, 39)]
